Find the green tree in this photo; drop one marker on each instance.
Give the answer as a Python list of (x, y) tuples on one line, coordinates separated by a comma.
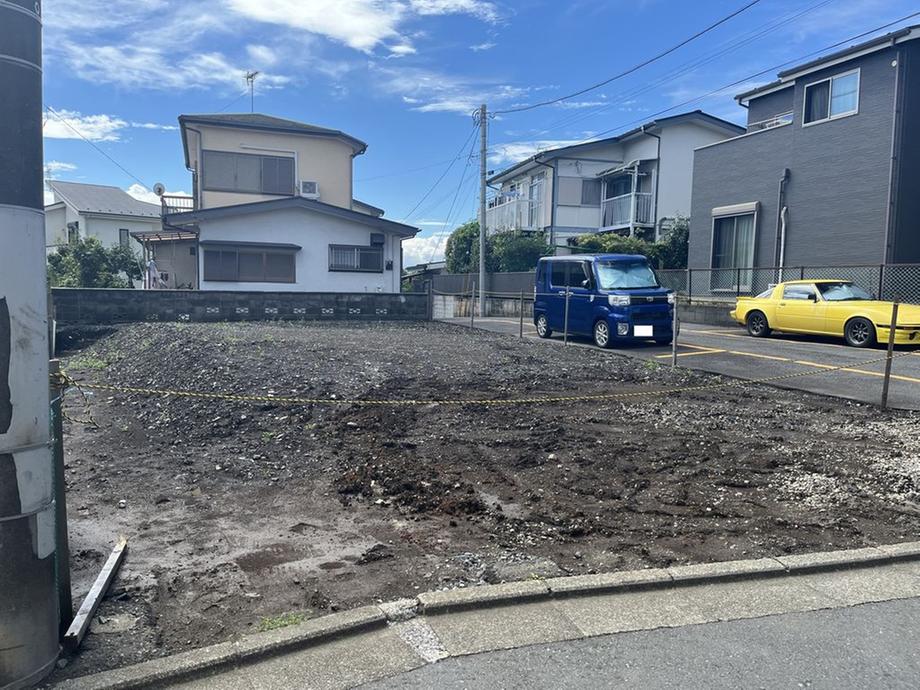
[(611, 243), (461, 245), (86, 263), (514, 251), (674, 246)]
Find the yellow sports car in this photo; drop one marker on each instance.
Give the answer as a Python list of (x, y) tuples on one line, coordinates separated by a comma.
[(827, 307)]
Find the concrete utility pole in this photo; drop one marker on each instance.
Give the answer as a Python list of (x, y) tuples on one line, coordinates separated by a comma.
[(28, 600), (483, 145)]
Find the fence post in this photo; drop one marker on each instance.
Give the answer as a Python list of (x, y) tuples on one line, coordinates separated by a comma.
[(472, 303), (62, 553), (881, 281), (801, 273), (737, 282), (689, 286), (521, 325), (565, 329), (891, 331), (674, 334), (430, 285)]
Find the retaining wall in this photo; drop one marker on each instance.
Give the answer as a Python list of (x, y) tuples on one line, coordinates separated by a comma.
[(102, 306)]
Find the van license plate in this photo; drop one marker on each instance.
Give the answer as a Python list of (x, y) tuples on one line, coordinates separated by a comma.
[(642, 331)]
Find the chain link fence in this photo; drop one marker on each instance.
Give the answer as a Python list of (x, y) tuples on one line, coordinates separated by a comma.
[(886, 281)]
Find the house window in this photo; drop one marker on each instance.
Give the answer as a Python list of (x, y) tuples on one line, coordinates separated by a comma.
[(225, 171), (249, 265), (347, 257), (732, 249), (124, 238), (575, 191), (830, 98)]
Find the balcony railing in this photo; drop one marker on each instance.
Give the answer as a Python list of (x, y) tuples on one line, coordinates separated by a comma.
[(775, 121), (171, 203), (627, 209), (508, 213)]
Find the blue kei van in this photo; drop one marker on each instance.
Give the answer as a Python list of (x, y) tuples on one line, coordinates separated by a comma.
[(612, 297)]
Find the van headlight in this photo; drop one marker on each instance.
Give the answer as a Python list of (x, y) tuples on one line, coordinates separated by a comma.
[(672, 297), (618, 300)]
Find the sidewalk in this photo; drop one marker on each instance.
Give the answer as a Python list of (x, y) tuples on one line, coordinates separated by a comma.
[(379, 643)]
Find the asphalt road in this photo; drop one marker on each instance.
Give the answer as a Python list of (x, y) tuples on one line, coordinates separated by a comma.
[(867, 646), (730, 351)]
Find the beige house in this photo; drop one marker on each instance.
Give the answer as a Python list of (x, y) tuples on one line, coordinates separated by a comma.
[(272, 209)]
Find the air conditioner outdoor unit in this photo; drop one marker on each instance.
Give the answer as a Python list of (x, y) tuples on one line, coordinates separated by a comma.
[(309, 189)]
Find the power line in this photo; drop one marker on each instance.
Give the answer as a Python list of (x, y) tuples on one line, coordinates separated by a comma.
[(444, 174), (748, 78), (724, 49), (450, 211), (632, 69), (244, 93), (80, 134)]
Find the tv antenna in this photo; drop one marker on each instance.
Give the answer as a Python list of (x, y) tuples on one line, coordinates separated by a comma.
[(251, 81)]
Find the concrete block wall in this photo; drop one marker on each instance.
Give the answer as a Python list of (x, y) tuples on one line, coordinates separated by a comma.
[(104, 306)]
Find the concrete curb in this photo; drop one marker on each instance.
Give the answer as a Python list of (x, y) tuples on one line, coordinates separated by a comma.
[(208, 660)]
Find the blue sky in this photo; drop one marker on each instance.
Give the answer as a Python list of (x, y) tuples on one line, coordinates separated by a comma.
[(404, 76)]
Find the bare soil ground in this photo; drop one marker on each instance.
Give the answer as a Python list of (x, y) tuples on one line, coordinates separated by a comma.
[(240, 512)]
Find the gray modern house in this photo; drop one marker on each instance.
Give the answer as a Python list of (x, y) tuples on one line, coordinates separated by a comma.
[(828, 171)]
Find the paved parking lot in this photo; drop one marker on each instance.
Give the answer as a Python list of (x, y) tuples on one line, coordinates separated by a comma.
[(730, 351)]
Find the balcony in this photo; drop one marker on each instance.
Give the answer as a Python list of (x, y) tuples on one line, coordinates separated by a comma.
[(173, 203), (627, 209), (511, 213)]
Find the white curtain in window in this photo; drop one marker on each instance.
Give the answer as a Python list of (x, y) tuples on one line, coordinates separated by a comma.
[(844, 94)]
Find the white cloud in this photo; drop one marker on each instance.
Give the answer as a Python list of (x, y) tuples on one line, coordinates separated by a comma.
[(154, 125), (516, 151), (142, 194), (476, 8), (430, 223), (430, 91), (67, 123), (261, 56), (479, 47), (421, 250), (575, 105), (54, 168)]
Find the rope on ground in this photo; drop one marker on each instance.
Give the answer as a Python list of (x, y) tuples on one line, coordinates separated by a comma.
[(488, 402)]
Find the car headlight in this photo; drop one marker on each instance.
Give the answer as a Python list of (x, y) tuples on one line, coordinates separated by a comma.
[(672, 297), (618, 300)]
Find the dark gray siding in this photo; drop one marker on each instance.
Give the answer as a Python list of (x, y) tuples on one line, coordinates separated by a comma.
[(837, 194), (772, 104), (905, 236)]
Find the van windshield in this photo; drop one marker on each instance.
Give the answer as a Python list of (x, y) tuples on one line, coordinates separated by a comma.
[(625, 275)]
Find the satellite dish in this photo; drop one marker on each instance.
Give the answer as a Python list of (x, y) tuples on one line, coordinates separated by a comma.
[(159, 189)]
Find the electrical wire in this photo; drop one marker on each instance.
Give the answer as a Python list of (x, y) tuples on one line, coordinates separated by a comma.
[(76, 131), (444, 174), (450, 211), (632, 69)]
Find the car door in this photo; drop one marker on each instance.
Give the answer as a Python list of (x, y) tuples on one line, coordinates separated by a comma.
[(581, 299), (555, 294), (801, 308)]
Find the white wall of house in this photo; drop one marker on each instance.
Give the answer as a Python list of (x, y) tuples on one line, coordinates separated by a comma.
[(586, 167), (675, 182), (326, 160), (105, 228), (178, 260), (314, 232)]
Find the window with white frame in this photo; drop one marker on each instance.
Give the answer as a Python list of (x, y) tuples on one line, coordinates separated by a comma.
[(124, 238), (577, 191), (831, 98), (732, 252), (355, 258)]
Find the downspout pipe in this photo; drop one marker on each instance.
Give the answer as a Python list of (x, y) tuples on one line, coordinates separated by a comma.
[(779, 245), (28, 597), (657, 178)]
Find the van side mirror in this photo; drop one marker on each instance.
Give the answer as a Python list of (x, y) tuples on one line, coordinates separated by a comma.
[(586, 284)]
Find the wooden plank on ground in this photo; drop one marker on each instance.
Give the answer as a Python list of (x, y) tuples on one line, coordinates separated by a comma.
[(77, 630)]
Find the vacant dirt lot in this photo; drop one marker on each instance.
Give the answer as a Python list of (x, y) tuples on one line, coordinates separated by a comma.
[(241, 512)]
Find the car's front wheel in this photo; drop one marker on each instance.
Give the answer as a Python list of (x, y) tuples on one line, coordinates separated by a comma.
[(859, 332), (543, 329), (602, 334), (757, 325)]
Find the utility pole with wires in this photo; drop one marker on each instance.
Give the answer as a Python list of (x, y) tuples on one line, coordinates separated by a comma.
[(483, 145), (251, 82)]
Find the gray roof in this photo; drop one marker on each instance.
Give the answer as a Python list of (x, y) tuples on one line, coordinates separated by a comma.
[(697, 116), (97, 198), (268, 123), (188, 217), (874, 44)]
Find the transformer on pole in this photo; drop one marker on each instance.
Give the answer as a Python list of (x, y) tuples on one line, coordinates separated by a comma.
[(28, 597)]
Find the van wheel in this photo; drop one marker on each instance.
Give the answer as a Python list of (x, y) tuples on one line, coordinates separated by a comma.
[(543, 329), (859, 332), (757, 325), (602, 334)]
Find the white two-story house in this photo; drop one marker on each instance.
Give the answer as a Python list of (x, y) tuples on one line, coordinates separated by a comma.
[(632, 184), (272, 210)]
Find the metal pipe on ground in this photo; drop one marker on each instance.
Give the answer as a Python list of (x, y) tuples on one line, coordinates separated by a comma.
[(28, 599)]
